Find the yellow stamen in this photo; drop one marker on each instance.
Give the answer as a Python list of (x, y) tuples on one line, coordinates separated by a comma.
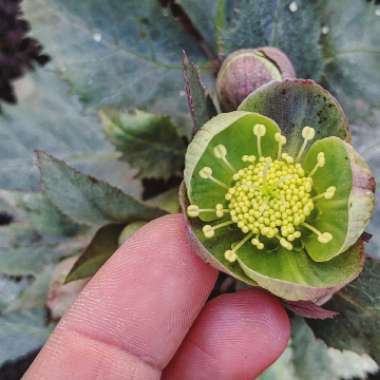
[(220, 210), (229, 252), (286, 157), (286, 244), (328, 194), (321, 161), (259, 131), (308, 134), (209, 231), (220, 152), (257, 243), (230, 255), (206, 173), (193, 211), (248, 158), (281, 140), (323, 237)]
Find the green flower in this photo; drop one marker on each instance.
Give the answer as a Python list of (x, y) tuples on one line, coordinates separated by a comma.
[(281, 211)]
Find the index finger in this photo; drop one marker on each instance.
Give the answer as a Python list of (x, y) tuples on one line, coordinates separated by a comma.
[(132, 316)]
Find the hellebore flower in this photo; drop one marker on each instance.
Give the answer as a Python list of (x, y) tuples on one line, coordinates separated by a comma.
[(284, 215)]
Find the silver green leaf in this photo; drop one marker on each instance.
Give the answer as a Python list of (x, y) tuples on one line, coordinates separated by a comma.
[(22, 332), (308, 358), (285, 24), (116, 52), (87, 200), (48, 117), (10, 289), (351, 49), (357, 326)]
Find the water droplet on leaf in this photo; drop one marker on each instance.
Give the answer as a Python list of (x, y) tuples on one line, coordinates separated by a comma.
[(325, 29), (293, 6), (97, 37)]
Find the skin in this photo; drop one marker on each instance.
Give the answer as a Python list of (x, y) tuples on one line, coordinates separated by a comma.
[(145, 316)]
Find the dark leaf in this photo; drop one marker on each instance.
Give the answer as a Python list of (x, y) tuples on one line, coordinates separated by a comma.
[(102, 246), (357, 326), (201, 105), (167, 201), (292, 26), (149, 142), (88, 200), (208, 17)]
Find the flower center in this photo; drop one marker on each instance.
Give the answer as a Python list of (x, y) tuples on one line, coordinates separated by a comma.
[(269, 198)]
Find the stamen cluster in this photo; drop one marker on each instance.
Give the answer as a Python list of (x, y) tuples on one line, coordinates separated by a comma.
[(271, 198)]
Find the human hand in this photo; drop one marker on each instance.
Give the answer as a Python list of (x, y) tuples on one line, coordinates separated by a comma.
[(143, 317)]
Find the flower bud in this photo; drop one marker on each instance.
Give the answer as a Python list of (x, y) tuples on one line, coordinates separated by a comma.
[(248, 69)]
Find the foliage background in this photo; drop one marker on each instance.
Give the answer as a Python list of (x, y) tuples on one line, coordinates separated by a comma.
[(116, 56)]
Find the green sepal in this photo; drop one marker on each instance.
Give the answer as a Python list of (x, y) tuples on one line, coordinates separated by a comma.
[(296, 103), (347, 214), (291, 275)]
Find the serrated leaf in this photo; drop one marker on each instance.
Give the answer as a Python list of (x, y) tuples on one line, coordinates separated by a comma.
[(46, 217), (100, 249), (201, 105), (22, 332), (351, 47), (149, 142), (48, 117), (258, 23), (116, 53), (37, 237), (313, 359), (308, 358), (356, 328), (88, 200)]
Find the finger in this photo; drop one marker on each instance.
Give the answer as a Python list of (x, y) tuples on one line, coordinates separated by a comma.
[(132, 316), (236, 337)]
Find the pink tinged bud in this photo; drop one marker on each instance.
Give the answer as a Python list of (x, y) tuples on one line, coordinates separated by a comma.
[(248, 69)]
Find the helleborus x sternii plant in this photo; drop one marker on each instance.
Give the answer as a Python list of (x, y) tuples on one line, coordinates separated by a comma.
[(281, 205)]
